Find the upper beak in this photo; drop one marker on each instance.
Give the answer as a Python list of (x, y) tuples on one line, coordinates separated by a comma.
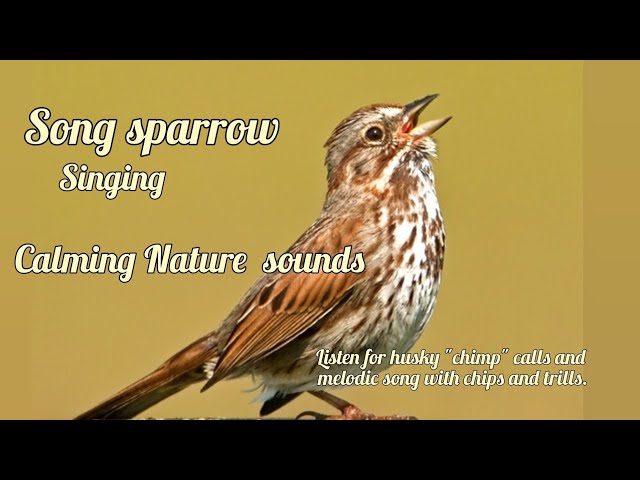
[(410, 118)]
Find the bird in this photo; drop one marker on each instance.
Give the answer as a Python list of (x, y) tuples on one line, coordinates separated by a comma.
[(381, 201)]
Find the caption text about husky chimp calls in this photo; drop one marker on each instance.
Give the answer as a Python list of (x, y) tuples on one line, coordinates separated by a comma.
[(466, 367)]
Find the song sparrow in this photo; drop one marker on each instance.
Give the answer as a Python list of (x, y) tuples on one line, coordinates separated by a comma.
[(381, 201)]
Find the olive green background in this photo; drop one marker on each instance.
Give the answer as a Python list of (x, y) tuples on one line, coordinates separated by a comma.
[(509, 178)]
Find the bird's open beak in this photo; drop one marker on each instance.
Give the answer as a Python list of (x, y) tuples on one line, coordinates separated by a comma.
[(410, 118)]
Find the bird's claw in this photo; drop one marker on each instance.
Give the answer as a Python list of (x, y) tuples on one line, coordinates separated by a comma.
[(315, 415), (351, 412)]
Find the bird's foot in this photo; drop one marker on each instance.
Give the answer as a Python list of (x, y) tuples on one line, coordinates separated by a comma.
[(351, 412)]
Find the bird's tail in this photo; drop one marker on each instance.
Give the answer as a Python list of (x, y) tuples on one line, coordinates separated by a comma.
[(183, 369)]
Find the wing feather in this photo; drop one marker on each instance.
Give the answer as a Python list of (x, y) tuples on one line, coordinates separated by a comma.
[(286, 314), (283, 306)]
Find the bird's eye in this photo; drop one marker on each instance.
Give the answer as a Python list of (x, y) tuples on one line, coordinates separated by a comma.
[(374, 134)]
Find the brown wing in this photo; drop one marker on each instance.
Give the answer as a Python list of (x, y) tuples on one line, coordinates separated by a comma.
[(284, 306)]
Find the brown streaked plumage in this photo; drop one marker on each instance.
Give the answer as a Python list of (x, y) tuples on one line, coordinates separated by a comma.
[(381, 201)]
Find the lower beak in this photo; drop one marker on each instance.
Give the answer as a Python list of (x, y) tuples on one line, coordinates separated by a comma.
[(411, 113)]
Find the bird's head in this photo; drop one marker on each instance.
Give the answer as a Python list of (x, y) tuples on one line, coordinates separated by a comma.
[(373, 143)]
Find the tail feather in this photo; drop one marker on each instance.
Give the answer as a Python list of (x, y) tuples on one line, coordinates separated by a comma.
[(176, 374)]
